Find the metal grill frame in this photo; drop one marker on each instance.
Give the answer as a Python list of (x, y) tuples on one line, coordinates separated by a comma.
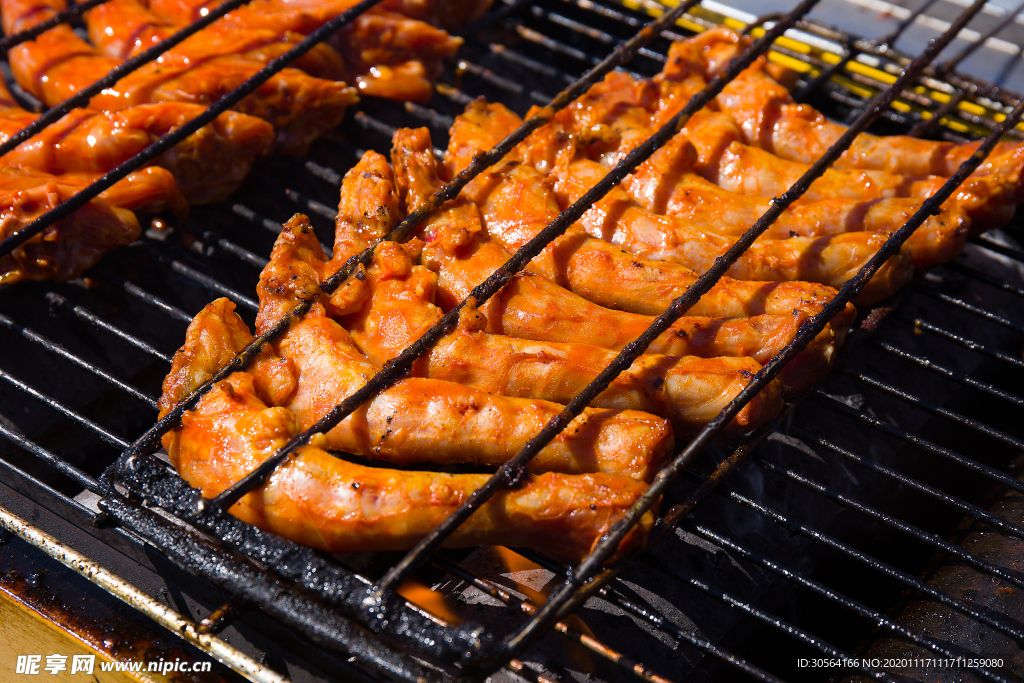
[(135, 471)]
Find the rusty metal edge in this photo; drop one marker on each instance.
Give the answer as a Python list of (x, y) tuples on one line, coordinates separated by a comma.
[(135, 598)]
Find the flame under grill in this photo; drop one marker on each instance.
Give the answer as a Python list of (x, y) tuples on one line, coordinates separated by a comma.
[(901, 465)]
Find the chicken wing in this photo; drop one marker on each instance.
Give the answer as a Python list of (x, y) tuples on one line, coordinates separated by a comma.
[(66, 248), (531, 307), (329, 503), (58, 63), (770, 119), (207, 166)]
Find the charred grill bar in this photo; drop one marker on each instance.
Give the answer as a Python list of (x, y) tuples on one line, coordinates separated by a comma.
[(149, 479)]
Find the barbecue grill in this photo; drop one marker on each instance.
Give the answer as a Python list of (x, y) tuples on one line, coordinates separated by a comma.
[(878, 521)]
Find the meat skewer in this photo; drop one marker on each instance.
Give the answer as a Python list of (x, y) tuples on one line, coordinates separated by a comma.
[(337, 506), (531, 307), (207, 166), (58, 63)]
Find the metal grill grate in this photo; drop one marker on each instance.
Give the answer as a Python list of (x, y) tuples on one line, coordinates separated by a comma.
[(141, 302)]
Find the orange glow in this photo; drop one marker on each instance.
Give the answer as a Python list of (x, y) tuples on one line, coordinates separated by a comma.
[(417, 592)]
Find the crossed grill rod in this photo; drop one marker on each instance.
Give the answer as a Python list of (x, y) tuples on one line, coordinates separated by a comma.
[(577, 586)]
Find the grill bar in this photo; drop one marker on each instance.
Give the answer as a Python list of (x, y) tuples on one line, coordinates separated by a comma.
[(936, 410), (797, 633), (958, 377), (49, 401), (920, 324), (96, 321), (974, 511), (152, 151), (873, 616), (925, 445), (58, 350), (882, 567)]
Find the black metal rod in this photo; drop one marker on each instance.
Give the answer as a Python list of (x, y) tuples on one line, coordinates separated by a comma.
[(151, 152), (923, 444), (514, 468), (923, 325), (779, 624), (62, 17), (54, 461), (820, 589), (156, 302), (976, 274), (808, 330), (925, 126), (970, 509), (892, 37), (1011, 16), (951, 415), (56, 349), (96, 321), (246, 356), (959, 377), (106, 436), (882, 567), (82, 97)]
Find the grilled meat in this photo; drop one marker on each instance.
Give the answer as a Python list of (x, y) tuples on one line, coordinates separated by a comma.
[(329, 503), (66, 248), (382, 53), (664, 184), (516, 202), (55, 65), (305, 16), (461, 252), (830, 260), (769, 118), (207, 166), (425, 420)]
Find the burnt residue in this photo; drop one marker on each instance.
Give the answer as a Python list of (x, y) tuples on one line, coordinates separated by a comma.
[(68, 602), (330, 582)]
